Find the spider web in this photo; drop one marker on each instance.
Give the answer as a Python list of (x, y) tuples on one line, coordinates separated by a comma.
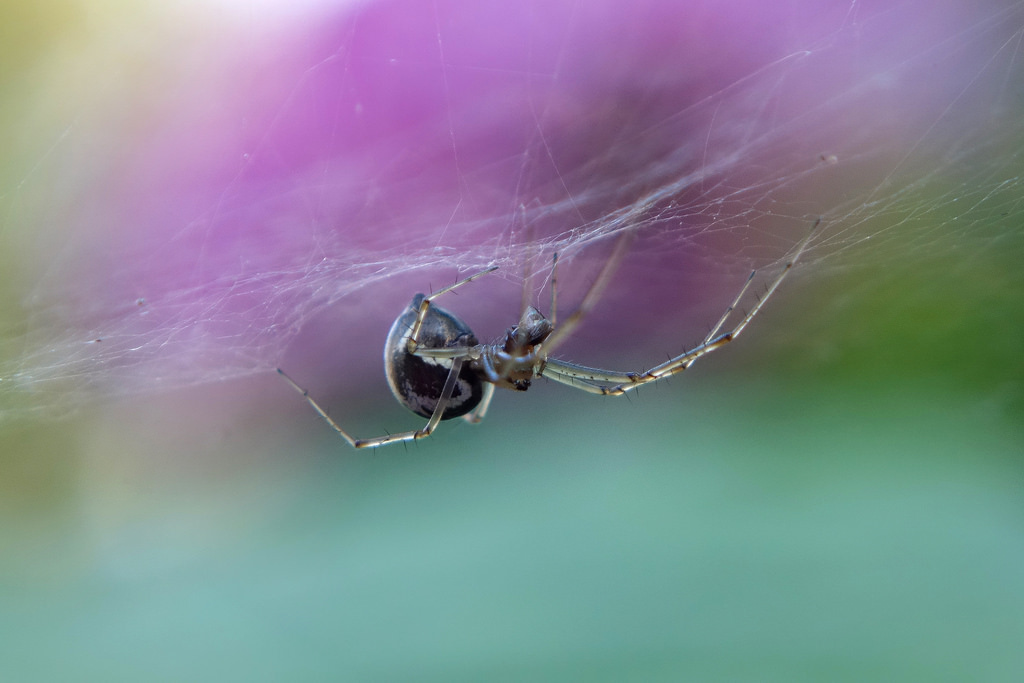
[(265, 180)]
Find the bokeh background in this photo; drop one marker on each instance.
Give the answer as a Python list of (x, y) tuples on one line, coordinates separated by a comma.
[(191, 196)]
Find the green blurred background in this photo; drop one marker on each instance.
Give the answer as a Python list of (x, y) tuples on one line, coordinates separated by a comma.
[(837, 497)]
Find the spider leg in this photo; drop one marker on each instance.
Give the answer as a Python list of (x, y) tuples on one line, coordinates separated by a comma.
[(571, 372), (553, 309), (732, 307), (477, 414), (590, 380), (593, 294), (612, 383), (427, 430), (597, 380), (414, 336), (463, 352)]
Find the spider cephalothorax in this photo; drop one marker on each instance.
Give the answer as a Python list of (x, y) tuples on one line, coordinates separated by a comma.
[(512, 363)]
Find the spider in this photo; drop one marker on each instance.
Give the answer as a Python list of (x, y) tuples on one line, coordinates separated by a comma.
[(438, 369)]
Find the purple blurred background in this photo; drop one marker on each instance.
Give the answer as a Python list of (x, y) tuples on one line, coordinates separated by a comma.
[(232, 181)]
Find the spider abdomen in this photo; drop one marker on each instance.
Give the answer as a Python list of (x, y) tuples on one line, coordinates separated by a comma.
[(417, 381)]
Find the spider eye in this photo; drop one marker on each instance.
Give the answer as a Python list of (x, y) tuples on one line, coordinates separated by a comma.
[(417, 381)]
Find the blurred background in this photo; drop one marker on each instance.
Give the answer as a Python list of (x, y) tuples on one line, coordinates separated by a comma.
[(192, 196)]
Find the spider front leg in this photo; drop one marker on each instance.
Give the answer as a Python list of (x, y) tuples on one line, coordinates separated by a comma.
[(612, 383)]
